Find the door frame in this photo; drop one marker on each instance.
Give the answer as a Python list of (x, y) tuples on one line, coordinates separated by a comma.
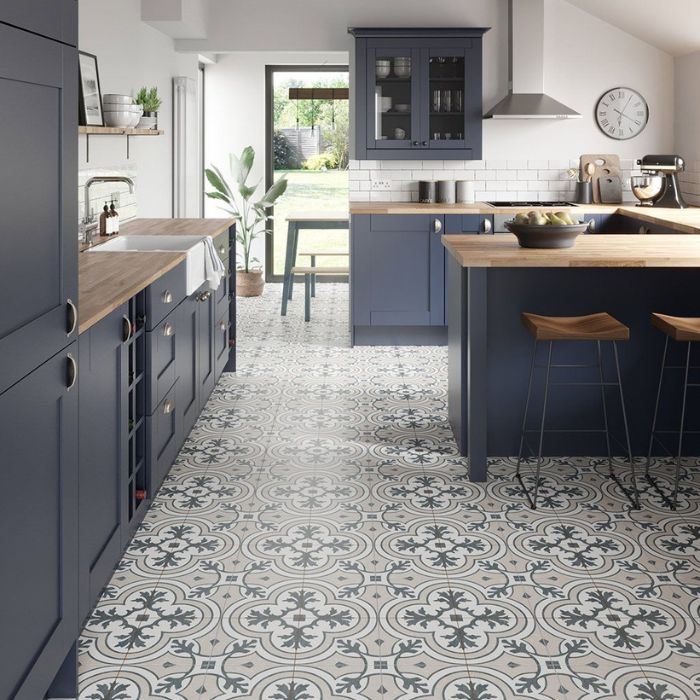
[(270, 71)]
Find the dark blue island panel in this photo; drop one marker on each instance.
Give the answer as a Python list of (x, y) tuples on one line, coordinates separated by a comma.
[(490, 350)]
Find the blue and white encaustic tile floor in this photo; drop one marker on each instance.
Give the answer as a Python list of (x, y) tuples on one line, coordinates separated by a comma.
[(318, 539)]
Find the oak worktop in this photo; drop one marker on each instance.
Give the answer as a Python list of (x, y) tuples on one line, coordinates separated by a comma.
[(107, 279), (681, 220), (607, 250)]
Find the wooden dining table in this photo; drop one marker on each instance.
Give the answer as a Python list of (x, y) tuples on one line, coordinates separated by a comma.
[(306, 220)]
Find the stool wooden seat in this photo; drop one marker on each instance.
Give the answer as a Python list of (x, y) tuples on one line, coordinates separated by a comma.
[(600, 326), (681, 329), (309, 278)]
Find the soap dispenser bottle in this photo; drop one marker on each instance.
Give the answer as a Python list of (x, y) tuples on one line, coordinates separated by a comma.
[(114, 216), (104, 216)]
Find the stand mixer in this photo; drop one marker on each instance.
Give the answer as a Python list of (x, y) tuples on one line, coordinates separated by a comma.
[(658, 185)]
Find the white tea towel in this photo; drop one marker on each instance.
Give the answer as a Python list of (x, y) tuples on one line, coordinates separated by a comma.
[(214, 269)]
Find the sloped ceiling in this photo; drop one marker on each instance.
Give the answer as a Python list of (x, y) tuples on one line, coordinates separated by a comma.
[(671, 25)]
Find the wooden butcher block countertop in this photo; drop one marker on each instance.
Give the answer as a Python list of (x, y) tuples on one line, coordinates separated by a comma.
[(106, 280), (663, 250), (681, 220)]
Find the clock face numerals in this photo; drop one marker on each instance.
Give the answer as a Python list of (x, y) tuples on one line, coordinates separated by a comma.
[(622, 113)]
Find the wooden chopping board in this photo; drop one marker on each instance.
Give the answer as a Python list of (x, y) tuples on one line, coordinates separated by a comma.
[(606, 165), (610, 188)]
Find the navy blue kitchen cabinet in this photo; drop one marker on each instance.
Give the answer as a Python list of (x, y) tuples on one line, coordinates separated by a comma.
[(397, 279), (417, 94), (206, 345), (103, 457), (39, 145), (187, 354), (162, 433), (39, 526), (57, 19), (468, 224)]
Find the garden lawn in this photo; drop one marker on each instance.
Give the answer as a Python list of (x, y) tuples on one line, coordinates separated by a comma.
[(311, 190)]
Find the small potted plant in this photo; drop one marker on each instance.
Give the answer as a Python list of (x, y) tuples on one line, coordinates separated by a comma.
[(150, 101), (251, 217)]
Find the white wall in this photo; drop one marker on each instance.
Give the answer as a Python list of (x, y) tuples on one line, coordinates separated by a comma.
[(686, 123), (131, 54), (235, 109), (583, 58)]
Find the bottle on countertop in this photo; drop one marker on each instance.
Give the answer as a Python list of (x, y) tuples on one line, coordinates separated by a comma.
[(103, 220), (114, 216)]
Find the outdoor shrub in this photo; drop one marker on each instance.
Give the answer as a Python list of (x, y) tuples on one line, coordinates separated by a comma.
[(285, 153), (323, 161)]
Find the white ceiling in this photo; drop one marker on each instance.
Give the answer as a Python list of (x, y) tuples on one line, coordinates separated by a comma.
[(671, 25)]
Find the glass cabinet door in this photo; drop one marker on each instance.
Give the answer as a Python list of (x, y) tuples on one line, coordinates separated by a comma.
[(392, 96), (444, 86)]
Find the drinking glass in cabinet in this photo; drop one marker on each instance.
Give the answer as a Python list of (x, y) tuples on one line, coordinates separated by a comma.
[(458, 101), (436, 100), (446, 100)]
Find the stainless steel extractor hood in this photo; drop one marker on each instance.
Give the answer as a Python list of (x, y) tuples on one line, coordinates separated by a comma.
[(526, 98)]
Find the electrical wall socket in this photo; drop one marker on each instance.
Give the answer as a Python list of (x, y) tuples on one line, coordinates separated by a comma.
[(114, 197), (381, 185)]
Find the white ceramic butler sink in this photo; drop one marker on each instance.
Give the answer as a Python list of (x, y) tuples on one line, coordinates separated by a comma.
[(192, 245)]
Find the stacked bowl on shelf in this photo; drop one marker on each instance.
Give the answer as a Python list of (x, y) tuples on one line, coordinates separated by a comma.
[(120, 111)]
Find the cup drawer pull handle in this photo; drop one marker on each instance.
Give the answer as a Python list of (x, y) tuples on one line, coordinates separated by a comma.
[(168, 407), (72, 317), (72, 372), (167, 297), (126, 329), (222, 325), (222, 250), (168, 330)]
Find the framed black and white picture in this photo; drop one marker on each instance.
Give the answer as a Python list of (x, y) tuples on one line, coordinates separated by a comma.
[(90, 93)]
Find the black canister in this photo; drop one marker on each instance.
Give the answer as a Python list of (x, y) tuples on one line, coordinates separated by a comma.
[(426, 192)]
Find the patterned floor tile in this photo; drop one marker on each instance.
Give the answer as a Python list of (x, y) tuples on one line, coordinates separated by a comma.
[(318, 538)]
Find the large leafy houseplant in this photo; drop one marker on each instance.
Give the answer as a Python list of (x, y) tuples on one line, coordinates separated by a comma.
[(237, 199)]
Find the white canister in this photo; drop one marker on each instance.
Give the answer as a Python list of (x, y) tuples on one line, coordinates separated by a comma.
[(465, 192)]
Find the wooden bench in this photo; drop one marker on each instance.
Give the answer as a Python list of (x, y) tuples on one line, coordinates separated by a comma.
[(321, 254), (309, 273)]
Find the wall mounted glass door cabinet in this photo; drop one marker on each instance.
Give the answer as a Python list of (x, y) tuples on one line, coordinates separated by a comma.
[(416, 93)]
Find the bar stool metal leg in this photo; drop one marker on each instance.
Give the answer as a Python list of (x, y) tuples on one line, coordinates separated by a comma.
[(522, 431), (605, 409), (635, 493), (682, 428), (656, 414)]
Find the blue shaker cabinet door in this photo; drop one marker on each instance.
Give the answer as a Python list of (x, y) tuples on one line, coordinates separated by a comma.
[(187, 354), (103, 429), (207, 341), (57, 19), (38, 200), (38, 526), (397, 270)]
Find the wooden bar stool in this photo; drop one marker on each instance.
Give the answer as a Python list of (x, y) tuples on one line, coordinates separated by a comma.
[(593, 328), (681, 330)]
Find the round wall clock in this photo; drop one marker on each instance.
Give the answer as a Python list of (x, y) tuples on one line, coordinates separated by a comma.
[(622, 113)]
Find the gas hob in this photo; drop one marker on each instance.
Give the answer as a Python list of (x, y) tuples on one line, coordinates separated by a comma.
[(524, 205)]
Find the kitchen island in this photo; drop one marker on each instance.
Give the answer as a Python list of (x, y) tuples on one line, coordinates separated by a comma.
[(491, 281)]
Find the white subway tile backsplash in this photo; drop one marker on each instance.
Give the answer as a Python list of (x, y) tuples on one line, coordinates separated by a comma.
[(493, 179)]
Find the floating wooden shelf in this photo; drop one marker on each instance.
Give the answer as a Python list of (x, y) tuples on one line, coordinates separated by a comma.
[(114, 131), (119, 131)]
